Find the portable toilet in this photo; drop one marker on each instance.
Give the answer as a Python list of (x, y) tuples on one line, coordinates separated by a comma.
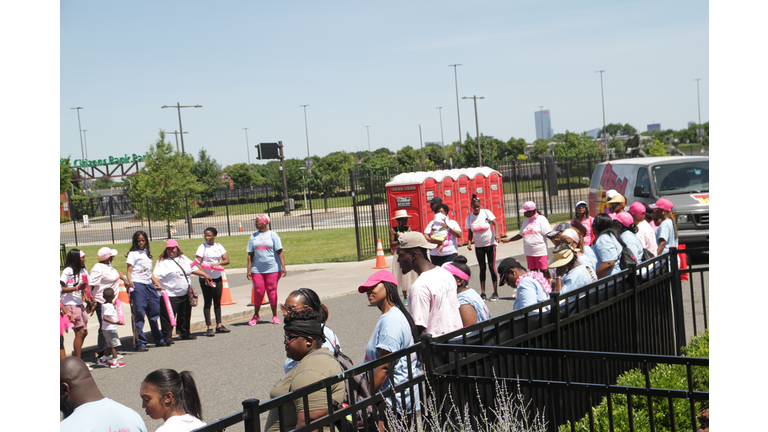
[(496, 203)]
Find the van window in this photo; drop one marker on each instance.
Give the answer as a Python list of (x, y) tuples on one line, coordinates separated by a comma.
[(681, 178), (643, 179)]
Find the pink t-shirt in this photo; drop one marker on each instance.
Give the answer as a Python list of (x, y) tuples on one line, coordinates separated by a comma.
[(647, 237), (587, 223), (533, 233), (434, 303)]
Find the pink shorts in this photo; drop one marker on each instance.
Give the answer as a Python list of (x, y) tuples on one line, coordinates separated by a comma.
[(537, 262), (79, 316)]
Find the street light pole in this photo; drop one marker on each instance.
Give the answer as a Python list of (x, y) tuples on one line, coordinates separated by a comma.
[(477, 125), (698, 100), (602, 96), (306, 129), (442, 138), (421, 140), (247, 147), (85, 141), (176, 133), (181, 130), (368, 131), (80, 131), (456, 79)]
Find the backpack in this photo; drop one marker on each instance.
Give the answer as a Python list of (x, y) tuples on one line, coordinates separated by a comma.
[(360, 386), (647, 255), (626, 258)]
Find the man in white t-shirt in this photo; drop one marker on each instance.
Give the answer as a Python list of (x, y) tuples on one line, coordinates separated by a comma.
[(450, 245), (432, 299), (85, 408)]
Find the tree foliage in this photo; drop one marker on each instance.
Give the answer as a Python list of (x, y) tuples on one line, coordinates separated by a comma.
[(65, 175), (207, 172), (244, 175), (657, 149), (620, 129), (577, 146)]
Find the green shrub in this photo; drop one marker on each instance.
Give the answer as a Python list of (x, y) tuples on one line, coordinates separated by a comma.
[(672, 377), (63, 219)]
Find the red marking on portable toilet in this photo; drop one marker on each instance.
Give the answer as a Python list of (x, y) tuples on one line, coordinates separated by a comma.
[(496, 204)]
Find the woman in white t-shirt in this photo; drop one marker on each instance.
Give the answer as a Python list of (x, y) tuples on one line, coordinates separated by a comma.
[(104, 276), (173, 397), (145, 299), (533, 231), (73, 281), (172, 275), (482, 227), (211, 254)]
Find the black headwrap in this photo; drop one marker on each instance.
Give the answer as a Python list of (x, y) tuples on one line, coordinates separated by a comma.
[(312, 328)]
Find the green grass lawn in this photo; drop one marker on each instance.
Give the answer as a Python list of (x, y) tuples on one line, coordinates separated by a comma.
[(318, 204)]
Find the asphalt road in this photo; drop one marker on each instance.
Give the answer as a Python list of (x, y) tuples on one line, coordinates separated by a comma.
[(248, 362)]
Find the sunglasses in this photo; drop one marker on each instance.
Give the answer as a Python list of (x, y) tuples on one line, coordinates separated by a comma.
[(289, 309), (288, 339)]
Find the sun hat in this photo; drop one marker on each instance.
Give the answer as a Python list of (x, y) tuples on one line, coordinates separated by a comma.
[(504, 266), (528, 206), (611, 193), (414, 239), (452, 269), (618, 198), (401, 214), (171, 243), (637, 208), (584, 203), (663, 204), (625, 219), (105, 253), (376, 278), (562, 257)]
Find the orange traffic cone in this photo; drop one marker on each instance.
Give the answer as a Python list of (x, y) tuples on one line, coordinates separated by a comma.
[(239, 226), (266, 299), (226, 297), (380, 262), (683, 263), (122, 293)]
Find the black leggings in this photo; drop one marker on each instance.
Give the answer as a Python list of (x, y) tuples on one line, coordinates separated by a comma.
[(211, 294), (483, 254)]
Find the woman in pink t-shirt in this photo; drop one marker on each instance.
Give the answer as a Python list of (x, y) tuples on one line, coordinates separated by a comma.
[(583, 222), (533, 231)]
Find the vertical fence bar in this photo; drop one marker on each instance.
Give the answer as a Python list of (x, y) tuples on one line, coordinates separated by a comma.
[(517, 199), (251, 421), (149, 221), (354, 211), (189, 217), (677, 302), (226, 204), (568, 184), (543, 187), (73, 213), (373, 208), (266, 192), (111, 224), (311, 212)]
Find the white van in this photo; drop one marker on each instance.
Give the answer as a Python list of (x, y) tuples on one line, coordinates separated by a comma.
[(684, 180)]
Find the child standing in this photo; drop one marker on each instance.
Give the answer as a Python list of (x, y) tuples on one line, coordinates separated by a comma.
[(533, 232), (109, 325)]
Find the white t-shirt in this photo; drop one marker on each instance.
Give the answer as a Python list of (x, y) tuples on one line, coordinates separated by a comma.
[(142, 267), (182, 423), (73, 298), (172, 276), (647, 237), (211, 254), (108, 310), (433, 303), (534, 243), (103, 276), (450, 245), (103, 415), (481, 228)]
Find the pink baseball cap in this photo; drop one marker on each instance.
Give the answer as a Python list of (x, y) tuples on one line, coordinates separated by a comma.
[(528, 206), (105, 253), (171, 243), (612, 215), (663, 204), (625, 219), (376, 278), (637, 208)]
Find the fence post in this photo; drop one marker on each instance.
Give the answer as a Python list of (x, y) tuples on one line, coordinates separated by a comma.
[(634, 316), (568, 176), (149, 221), (589, 165), (226, 204), (311, 212), (354, 210), (517, 198), (251, 421), (677, 302), (111, 225), (73, 214), (543, 187), (373, 208), (266, 192), (189, 217)]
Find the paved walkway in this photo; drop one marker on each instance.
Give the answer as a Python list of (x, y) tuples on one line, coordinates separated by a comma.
[(327, 279)]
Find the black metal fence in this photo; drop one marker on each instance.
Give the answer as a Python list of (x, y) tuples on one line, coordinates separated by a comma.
[(564, 354)]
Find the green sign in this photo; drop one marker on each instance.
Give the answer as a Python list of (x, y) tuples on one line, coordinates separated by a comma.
[(84, 163)]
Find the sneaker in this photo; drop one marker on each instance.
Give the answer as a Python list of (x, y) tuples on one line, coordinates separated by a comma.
[(138, 349), (494, 297), (482, 296), (210, 333), (253, 320), (405, 301), (222, 329), (275, 320), (119, 357), (189, 337), (102, 362), (116, 364), (89, 367)]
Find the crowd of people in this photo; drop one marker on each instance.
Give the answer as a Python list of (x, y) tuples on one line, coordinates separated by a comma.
[(427, 269)]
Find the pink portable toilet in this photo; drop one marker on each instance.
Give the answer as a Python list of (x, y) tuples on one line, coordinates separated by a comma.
[(496, 203)]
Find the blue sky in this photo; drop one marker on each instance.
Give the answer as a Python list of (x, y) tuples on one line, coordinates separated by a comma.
[(251, 64)]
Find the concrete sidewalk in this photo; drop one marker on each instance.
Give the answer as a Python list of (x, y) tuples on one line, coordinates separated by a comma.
[(327, 279)]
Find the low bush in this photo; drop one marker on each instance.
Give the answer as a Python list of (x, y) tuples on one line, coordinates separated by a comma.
[(63, 219)]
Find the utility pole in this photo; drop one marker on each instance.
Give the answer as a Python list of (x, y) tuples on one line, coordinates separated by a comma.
[(456, 79), (177, 138), (442, 138), (247, 147), (80, 130), (602, 97), (368, 131), (285, 182), (477, 125), (421, 140), (179, 107), (85, 141)]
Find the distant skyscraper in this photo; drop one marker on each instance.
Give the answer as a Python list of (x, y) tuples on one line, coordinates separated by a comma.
[(655, 126), (594, 132), (548, 133)]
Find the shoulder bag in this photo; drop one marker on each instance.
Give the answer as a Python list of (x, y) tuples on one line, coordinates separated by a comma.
[(191, 290), (626, 257)]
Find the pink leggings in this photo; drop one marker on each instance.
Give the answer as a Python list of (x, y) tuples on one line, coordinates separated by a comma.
[(265, 281)]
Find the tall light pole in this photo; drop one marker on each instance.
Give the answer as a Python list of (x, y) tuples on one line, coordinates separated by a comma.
[(181, 130), (698, 99), (541, 120), (477, 125), (306, 129), (368, 131), (421, 140), (602, 96), (80, 130), (442, 138), (176, 133), (456, 79), (85, 141), (247, 147)]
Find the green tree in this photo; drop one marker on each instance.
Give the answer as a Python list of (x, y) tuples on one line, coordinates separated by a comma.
[(207, 172), (540, 148), (406, 157), (620, 129), (331, 173), (379, 162), (241, 174), (434, 153), (577, 147), (657, 149), (469, 151), (65, 175), (103, 183), (164, 180)]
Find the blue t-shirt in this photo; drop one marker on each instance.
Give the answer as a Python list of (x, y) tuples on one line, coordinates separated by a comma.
[(607, 248), (666, 231), (264, 246), (392, 333), (633, 243), (577, 278), (529, 292), (103, 415), (471, 297), (588, 257)]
